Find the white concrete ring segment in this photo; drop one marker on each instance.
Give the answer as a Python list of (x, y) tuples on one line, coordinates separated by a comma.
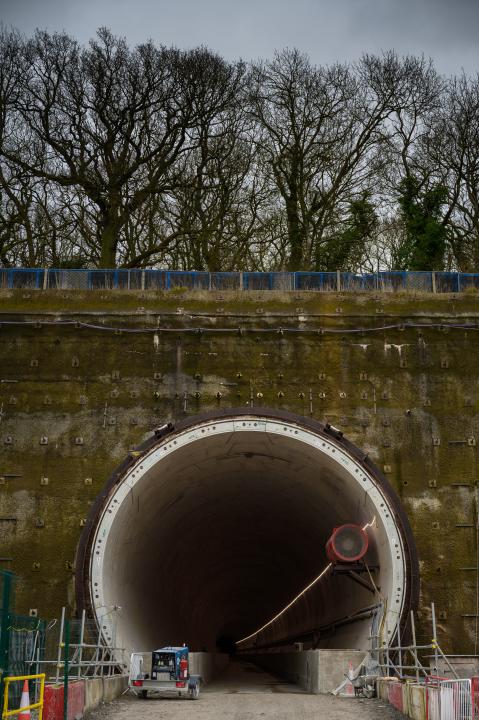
[(215, 528)]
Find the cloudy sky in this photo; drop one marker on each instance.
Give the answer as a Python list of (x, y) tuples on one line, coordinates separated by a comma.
[(328, 30)]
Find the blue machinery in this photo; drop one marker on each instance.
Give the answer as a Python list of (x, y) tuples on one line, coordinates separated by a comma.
[(169, 674)]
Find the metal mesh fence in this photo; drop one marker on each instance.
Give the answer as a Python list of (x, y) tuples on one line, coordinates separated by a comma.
[(352, 282), (7, 590), (404, 281), (30, 645), (21, 278), (174, 279), (225, 281), (448, 282), (26, 651), (322, 281), (282, 281), (68, 280), (467, 281), (136, 279)]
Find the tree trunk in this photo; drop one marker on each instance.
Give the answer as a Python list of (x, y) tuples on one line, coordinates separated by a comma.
[(295, 235), (109, 226)]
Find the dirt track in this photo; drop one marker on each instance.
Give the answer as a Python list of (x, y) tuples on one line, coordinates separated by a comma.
[(245, 693)]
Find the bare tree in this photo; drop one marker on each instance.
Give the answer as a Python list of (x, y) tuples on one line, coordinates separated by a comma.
[(207, 216), (218, 204), (109, 121), (16, 235), (454, 150), (111, 156), (319, 130)]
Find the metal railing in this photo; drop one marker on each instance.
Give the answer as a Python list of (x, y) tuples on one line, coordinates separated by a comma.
[(403, 660), (446, 698), (451, 699), (136, 279), (80, 651), (37, 705)]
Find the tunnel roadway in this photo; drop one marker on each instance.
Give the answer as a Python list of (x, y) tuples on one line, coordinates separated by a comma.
[(244, 692)]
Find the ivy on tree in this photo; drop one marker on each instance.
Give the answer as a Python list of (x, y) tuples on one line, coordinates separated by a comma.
[(425, 235)]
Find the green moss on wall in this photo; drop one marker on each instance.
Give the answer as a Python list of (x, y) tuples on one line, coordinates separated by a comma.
[(407, 396)]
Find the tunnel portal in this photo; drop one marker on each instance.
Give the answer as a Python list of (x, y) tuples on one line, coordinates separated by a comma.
[(214, 526)]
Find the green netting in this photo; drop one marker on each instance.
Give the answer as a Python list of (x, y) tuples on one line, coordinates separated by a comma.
[(22, 643), (26, 651)]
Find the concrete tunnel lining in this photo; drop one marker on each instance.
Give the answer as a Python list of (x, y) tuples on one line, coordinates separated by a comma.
[(217, 525)]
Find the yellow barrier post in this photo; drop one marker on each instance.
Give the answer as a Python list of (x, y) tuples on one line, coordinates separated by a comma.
[(9, 713)]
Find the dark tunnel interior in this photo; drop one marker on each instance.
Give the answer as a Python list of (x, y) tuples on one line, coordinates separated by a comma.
[(204, 544)]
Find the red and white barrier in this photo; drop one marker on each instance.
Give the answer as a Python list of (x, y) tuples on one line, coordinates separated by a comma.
[(53, 701), (452, 699)]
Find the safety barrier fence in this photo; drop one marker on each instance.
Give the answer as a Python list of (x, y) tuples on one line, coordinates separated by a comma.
[(37, 705), (137, 279), (69, 665), (417, 690), (448, 699), (475, 698), (436, 698), (81, 668)]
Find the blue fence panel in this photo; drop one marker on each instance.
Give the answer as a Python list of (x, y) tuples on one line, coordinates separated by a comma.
[(420, 281), (170, 279), (188, 279), (135, 279), (369, 282), (283, 281), (129, 279), (391, 281), (69, 279), (323, 281), (3, 278), (17, 278), (155, 279), (468, 280), (387, 281), (225, 281), (257, 281), (268, 281), (447, 282), (352, 282), (103, 279)]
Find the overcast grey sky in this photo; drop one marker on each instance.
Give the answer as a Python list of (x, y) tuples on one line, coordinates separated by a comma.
[(328, 30)]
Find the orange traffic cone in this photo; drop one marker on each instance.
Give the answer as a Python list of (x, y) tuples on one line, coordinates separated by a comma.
[(24, 703), (349, 689)]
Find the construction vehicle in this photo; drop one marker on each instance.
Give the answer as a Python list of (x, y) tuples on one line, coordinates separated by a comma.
[(168, 676)]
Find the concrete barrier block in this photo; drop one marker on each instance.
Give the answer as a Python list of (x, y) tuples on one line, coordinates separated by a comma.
[(53, 701), (382, 689), (405, 698), (395, 695), (317, 671), (207, 665), (416, 702), (334, 666), (113, 687), (93, 693), (298, 667)]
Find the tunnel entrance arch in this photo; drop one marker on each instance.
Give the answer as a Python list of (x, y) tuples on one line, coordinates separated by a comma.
[(212, 526)]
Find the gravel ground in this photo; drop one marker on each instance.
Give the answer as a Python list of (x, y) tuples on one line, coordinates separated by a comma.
[(244, 693)]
